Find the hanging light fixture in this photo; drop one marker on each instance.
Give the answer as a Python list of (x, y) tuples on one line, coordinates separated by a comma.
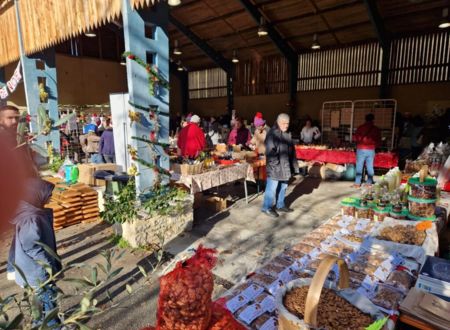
[(180, 67), (445, 22), (174, 3), (235, 58), (90, 34), (315, 45), (262, 30), (176, 50), (123, 62)]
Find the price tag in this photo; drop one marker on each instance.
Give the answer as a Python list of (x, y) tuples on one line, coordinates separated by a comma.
[(361, 225), (382, 273), (237, 302), (270, 324), (252, 291)]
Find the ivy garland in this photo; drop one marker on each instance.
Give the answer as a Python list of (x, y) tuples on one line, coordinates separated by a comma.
[(154, 78), (164, 145)]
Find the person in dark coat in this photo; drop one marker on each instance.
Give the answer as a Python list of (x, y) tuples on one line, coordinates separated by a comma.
[(281, 165), (34, 224), (107, 149)]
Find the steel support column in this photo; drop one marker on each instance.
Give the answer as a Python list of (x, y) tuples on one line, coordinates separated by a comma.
[(385, 41), (146, 36)]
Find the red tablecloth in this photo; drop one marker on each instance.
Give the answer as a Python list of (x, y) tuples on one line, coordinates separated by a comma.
[(382, 159)]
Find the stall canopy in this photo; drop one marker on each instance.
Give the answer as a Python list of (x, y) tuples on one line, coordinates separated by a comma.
[(45, 23)]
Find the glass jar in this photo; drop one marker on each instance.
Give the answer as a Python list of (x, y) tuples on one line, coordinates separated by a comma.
[(348, 207), (363, 212), (423, 190), (379, 213), (424, 208)]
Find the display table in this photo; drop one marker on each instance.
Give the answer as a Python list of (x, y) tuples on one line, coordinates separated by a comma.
[(217, 177), (382, 159)]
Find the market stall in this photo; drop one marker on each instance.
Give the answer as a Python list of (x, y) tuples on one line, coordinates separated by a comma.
[(322, 154)]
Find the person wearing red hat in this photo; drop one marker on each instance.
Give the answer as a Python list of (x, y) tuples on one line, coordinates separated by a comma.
[(257, 141)]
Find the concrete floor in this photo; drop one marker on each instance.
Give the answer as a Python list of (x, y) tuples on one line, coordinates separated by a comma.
[(244, 237)]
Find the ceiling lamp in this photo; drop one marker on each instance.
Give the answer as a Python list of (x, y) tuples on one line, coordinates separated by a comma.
[(176, 50), (174, 3), (315, 45), (445, 23), (262, 30), (90, 34), (180, 67), (235, 58), (123, 62)]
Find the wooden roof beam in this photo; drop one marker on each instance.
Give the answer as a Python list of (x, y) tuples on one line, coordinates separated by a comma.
[(274, 22), (215, 56), (377, 23), (273, 34)]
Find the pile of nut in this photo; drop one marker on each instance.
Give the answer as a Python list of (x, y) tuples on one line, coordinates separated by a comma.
[(333, 312), (185, 299), (403, 234)]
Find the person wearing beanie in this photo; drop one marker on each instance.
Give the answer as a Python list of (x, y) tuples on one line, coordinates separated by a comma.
[(259, 137), (191, 140)]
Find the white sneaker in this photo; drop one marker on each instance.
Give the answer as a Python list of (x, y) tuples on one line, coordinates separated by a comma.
[(11, 276)]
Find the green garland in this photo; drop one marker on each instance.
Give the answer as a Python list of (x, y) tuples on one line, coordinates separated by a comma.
[(160, 170), (147, 109), (164, 145), (153, 75)]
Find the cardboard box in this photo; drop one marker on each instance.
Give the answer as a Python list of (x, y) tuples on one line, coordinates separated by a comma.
[(215, 203), (86, 173)]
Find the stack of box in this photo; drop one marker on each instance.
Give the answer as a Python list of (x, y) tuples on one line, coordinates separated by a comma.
[(89, 197), (71, 202), (59, 214), (434, 277)]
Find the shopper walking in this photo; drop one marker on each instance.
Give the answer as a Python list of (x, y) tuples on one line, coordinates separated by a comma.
[(367, 137), (34, 226), (281, 165), (107, 149)]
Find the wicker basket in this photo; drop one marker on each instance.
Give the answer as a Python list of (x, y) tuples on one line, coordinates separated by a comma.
[(188, 169), (285, 322)]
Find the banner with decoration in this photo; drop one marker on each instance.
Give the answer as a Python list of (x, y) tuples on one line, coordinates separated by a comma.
[(12, 83)]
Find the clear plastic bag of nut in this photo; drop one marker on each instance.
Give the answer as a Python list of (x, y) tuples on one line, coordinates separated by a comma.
[(265, 321), (303, 248), (387, 297), (401, 280)]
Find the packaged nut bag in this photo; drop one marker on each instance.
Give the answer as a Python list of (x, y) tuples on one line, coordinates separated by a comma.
[(185, 293)]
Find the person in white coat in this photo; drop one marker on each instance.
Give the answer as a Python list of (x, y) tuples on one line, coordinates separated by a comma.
[(309, 133)]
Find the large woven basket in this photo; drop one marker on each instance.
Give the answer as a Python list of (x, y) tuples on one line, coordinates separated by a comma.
[(286, 321)]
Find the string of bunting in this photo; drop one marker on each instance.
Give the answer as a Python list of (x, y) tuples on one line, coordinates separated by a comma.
[(154, 78)]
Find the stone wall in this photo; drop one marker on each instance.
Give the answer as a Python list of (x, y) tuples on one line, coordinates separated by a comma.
[(157, 230)]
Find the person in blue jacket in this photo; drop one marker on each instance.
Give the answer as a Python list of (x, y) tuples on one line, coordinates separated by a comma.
[(107, 149), (34, 224)]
